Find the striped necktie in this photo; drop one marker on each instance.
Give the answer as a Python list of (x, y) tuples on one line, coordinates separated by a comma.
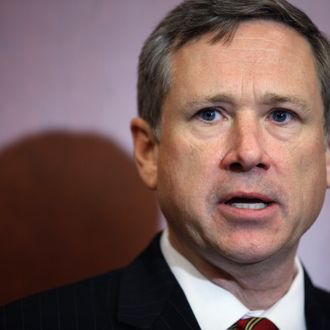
[(254, 323)]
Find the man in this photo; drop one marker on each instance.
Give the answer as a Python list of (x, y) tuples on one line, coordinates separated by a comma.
[(233, 137)]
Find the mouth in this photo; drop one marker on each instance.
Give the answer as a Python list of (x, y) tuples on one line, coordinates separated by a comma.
[(248, 207), (248, 201)]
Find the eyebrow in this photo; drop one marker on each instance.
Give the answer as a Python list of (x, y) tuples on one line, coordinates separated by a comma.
[(218, 98), (273, 99), (267, 99)]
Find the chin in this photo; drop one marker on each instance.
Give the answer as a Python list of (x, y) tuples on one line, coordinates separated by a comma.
[(245, 254), (248, 257)]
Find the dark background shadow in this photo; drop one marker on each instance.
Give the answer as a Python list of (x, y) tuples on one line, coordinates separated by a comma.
[(71, 206)]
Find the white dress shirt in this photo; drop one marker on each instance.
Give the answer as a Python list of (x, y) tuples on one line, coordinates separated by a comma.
[(217, 309)]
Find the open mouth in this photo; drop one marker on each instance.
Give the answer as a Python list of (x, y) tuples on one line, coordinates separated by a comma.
[(247, 203)]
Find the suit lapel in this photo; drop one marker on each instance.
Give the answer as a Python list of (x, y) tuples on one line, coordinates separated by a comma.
[(150, 297)]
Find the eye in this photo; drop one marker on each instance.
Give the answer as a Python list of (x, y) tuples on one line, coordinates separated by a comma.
[(282, 116), (209, 114)]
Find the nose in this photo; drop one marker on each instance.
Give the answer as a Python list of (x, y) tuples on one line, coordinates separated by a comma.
[(246, 147)]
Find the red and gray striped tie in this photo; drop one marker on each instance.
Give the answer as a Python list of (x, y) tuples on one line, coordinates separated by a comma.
[(254, 323)]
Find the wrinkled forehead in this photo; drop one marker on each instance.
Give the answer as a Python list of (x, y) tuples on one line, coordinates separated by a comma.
[(252, 36), (257, 41)]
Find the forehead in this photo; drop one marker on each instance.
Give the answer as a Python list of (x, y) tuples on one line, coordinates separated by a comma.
[(258, 50), (255, 36)]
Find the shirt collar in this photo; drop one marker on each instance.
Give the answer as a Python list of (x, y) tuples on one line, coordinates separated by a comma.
[(217, 309)]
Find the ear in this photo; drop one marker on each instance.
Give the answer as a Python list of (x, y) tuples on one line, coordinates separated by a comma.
[(327, 159), (145, 151)]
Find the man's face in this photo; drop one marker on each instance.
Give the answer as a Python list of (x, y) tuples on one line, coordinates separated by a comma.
[(241, 163)]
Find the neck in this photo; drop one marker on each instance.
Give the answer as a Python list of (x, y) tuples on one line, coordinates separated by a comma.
[(257, 285)]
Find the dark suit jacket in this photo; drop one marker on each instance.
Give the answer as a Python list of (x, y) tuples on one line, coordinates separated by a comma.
[(145, 295)]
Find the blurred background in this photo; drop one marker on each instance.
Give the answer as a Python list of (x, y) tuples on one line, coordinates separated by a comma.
[(71, 204)]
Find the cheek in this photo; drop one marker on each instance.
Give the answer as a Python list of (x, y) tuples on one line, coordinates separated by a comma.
[(184, 170), (303, 161), (307, 180), (313, 176)]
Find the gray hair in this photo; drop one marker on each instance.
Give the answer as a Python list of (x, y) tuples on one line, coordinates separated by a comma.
[(194, 18)]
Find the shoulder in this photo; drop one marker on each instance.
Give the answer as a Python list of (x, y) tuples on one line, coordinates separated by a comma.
[(317, 305), (83, 301), (323, 297), (314, 294), (81, 304)]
